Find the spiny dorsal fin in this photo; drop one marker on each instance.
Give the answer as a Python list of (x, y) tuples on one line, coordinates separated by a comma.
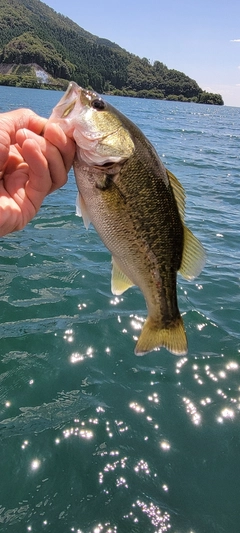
[(194, 256), (179, 193), (81, 211), (119, 282)]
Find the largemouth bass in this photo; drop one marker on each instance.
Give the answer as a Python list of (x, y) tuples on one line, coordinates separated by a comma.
[(137, 207)]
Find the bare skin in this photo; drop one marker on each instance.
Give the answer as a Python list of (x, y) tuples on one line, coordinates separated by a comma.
[(32, 165)]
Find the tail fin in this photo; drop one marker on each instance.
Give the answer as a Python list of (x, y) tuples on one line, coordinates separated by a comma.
[(154, 336)]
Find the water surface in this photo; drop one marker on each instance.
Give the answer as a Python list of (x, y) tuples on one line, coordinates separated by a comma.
[(94, 439)]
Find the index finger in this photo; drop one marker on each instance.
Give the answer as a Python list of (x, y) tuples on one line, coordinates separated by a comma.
[(12, 121)]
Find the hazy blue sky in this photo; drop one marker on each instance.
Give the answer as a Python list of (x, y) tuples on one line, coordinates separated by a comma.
[(200, 38)]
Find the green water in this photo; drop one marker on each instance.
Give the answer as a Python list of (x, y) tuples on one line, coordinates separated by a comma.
[(93, 438)]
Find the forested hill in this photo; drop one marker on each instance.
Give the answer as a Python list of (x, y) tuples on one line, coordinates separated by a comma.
[(41, 48)]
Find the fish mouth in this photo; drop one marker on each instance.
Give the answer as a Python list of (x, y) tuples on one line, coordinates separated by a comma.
[(69, 98), (98, 132), (75, 94), (84, 98)]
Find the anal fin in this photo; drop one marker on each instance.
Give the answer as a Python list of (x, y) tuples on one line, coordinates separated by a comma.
[(119, 282)]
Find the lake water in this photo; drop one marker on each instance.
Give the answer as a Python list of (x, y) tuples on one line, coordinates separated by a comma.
[(94, 439)]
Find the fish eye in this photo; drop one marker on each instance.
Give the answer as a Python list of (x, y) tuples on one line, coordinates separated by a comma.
[(98, 104)]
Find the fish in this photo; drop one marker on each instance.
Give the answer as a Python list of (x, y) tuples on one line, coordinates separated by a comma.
[(137, 207)]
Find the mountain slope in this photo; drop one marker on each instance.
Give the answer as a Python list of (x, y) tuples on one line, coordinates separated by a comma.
[(33, 33)]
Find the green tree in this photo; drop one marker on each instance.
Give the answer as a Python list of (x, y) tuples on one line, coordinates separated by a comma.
[(33, 33)]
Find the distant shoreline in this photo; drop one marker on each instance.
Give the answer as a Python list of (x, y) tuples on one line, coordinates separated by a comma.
[(33, 76)]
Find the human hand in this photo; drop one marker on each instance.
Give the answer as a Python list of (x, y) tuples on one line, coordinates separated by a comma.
[(31, 166)]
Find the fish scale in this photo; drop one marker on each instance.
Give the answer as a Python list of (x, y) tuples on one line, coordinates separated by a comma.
[(137, 207)]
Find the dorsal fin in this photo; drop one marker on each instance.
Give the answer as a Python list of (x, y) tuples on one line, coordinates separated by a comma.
[(194, 256), (179, 193)]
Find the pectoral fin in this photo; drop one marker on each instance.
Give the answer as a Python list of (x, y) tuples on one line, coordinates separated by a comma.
[(194, 256), (119, 282), (81, 210)]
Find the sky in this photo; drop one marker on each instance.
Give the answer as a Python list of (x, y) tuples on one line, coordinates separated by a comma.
[(200, 38)]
